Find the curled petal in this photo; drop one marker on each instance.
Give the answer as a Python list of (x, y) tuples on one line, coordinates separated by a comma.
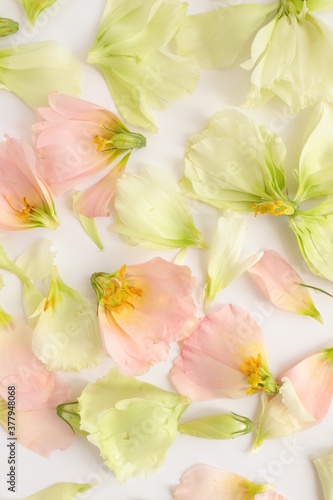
[(282, 285)]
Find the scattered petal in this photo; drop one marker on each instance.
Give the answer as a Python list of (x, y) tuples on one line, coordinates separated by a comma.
[(152, 212), (225, 426), (324, 466), (65, 491), (282, 285)]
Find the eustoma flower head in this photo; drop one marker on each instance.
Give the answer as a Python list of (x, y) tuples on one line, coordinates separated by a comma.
[(66, 336), (34, 8), (161, 218), (142, 309), (32, 71), (37, 391), (225, 357), (303, 400), (76, 138), (291, 55), (234, 163), (205, 481), (282, 285), (131, 422), (141, 68), (25, 199)]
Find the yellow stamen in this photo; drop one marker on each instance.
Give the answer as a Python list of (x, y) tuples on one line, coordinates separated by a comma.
[(253, 369), (275, 208), (25, 213), (101, 143), (119, 292)]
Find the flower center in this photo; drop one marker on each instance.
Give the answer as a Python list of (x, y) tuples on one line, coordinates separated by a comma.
[(275, 208), (119, 292), (259, 377), (25, 213), (121, 141)]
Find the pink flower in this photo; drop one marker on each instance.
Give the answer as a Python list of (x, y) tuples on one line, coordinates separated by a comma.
[(205, 481), (303, 400), (142, 308), (225, 357), (25, 199), (282, 285), (75, 139), (38, 392)]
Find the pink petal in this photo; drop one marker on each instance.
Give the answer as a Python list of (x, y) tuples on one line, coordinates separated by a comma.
[(312, 380), (95, 201), (36, 387), (207, 482), (64, 139), (280, 283), (269, 495), (209, 366), (42, 431), (131, 357)]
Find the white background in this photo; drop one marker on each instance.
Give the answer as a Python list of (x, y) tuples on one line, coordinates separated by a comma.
[(290, 337)]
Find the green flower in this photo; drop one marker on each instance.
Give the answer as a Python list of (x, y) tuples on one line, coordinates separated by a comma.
[(131, 422)]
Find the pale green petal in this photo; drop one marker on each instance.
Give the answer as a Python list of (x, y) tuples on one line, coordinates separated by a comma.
[(142, 71), (37, 260), (32, 71), (216, 38), (315, 174), (324, 466), (138, 28), (319, 4), (314, 233), (224, 264), (132, 423), (283, 415), (152, 212), (31, 294), (89, 224), (66, 336), (61, 491), (34, 8), (227, 426), (235, 163), (293, 60)]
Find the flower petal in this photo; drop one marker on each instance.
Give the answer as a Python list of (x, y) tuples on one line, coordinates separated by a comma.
[(216, 38), (32, 71), (161, 218), (65, 491), (281, 284)]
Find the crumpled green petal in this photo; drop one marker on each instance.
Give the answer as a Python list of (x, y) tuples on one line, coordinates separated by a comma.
[(63, 491), (132, 423), (315, 173), (34, 8), (132, 50), (66, 336), (32, 71), (324, 467), (216, 38), (152, 212), (235, 163), (314, 232)]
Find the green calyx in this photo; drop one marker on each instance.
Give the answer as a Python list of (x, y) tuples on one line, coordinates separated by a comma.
[(328, 354), (8, 27), (70, 414), (226, 426)]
